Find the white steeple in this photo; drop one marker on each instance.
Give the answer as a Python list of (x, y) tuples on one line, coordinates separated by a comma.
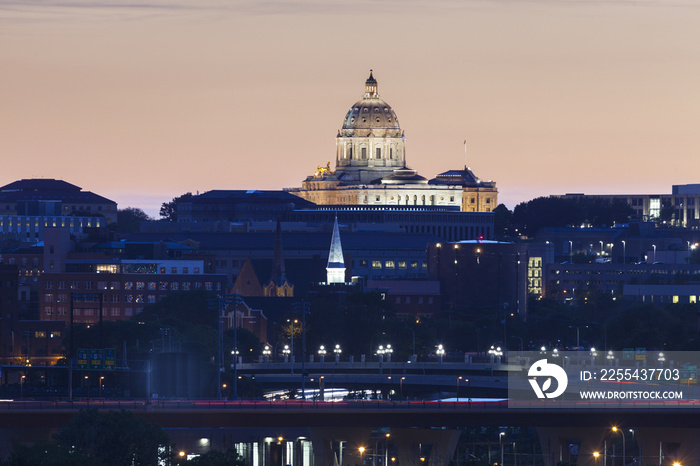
[(335, 270)]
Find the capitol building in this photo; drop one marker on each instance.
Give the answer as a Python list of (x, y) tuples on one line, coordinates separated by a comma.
[(371, 169)]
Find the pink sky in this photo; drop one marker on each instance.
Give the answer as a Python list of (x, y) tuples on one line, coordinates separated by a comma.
[(144, 101)]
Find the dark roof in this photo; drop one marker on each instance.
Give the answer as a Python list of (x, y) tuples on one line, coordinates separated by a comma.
[(49, 190), (40, 184), (267, 197)]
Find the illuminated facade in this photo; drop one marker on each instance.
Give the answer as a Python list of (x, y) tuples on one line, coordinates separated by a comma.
[(371, 170)]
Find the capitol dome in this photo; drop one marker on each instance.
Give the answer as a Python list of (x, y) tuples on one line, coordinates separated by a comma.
[(371, 116)]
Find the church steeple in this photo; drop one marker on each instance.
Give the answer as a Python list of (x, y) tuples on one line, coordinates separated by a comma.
[(371, 90), (278, 286), (335, 270), (278, 275)]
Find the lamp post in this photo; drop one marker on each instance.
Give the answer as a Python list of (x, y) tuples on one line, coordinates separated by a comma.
[(654, 246), (571, 251), (500, 441), (596, 455), (440, 352), (101, 379), (21, 386), (622, 433), (286, 351), (292, 322), (578, 334), (458, 379), (601, 248), (401, 386), (337, 352), (624, 252), (87, 382), (266, 353), (322, 353)]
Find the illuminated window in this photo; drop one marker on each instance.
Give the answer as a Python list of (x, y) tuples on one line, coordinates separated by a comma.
[(130, 298), (140, 285), (376, 264), (675, 299), (389, 264), (151, 286), (692, 300), (402, 264), (128, 285), (107, 268), (414, 264), (139, 298), (163, 286)]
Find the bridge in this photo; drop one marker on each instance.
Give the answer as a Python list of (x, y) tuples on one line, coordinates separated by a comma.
[(295, 430)]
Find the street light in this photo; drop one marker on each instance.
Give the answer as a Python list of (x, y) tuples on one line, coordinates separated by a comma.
[(578, 334), (622, 433), (266, 352), (654, 246), (458, 379), (401, 386), (101, 379), (337, 352), (286, 352), (21, 384), (322, 352), (571, 251), (596, 455), (500, 440), (624, 252), (440, 352)]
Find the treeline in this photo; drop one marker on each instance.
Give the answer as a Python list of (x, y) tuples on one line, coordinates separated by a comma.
[(552, 211)]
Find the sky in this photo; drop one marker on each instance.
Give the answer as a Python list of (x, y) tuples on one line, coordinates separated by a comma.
[(142, 101)]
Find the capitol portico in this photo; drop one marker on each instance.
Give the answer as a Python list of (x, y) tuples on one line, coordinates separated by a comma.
[(371, 170)]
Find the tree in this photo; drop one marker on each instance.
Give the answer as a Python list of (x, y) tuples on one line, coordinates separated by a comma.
[(502, 221), (129, 219), (168, 210), (95, 438)]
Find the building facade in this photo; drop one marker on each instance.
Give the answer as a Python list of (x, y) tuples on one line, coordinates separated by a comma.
[(371, 170), (42, 197)]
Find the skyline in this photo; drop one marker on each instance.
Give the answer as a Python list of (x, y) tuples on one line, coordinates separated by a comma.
[(146, 101)]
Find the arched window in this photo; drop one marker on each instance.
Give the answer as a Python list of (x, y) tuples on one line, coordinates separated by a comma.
[(378, 153)]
